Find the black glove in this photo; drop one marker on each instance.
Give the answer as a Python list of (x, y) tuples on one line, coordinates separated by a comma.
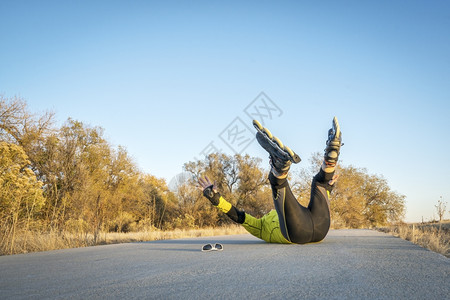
[(211, 195)]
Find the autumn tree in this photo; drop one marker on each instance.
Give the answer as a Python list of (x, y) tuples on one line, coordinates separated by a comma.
[(441, 208), (156, 206), (223, 171), (19, 126), (87, 185), (253, 192), (20, 194), (240, 180), (358, 199), (363, 200), (347, 200)]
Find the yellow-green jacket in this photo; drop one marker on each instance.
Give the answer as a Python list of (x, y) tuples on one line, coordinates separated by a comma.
[(266, 228)]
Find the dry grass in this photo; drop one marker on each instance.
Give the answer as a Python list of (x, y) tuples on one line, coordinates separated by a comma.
[(115, 237), (425, 235), (431, 236), (35, 242)]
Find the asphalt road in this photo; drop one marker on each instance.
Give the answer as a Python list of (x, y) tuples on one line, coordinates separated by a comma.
[(348, 264)]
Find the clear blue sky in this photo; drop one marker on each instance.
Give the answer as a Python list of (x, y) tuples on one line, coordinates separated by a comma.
[(165, 79)]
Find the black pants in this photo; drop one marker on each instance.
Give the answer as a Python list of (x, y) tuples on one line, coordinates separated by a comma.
[(301, 224)]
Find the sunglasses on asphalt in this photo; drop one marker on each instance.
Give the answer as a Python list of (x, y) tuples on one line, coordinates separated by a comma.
[(211, 247)]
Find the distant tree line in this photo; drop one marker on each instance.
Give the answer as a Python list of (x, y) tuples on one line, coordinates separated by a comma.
[(70, 179)]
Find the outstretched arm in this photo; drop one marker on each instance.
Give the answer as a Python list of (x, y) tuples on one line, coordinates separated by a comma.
[(210, 192), (267, 230)]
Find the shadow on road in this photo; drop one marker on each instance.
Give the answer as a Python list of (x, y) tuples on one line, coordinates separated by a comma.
[(188, 242), (245, 240)]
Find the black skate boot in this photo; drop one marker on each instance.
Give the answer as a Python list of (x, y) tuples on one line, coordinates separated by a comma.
[(333, 144), (281, 156)]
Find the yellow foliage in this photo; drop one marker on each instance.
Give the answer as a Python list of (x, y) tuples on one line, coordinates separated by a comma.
[(20, 193)]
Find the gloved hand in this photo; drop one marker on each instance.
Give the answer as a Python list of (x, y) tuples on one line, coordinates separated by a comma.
[(209, 190)]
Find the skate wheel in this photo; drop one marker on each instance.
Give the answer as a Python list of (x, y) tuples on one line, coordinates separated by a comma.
[(294, 157), (289, 150), (267, 132), (278, 141), (336, 128), (257, 125)]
